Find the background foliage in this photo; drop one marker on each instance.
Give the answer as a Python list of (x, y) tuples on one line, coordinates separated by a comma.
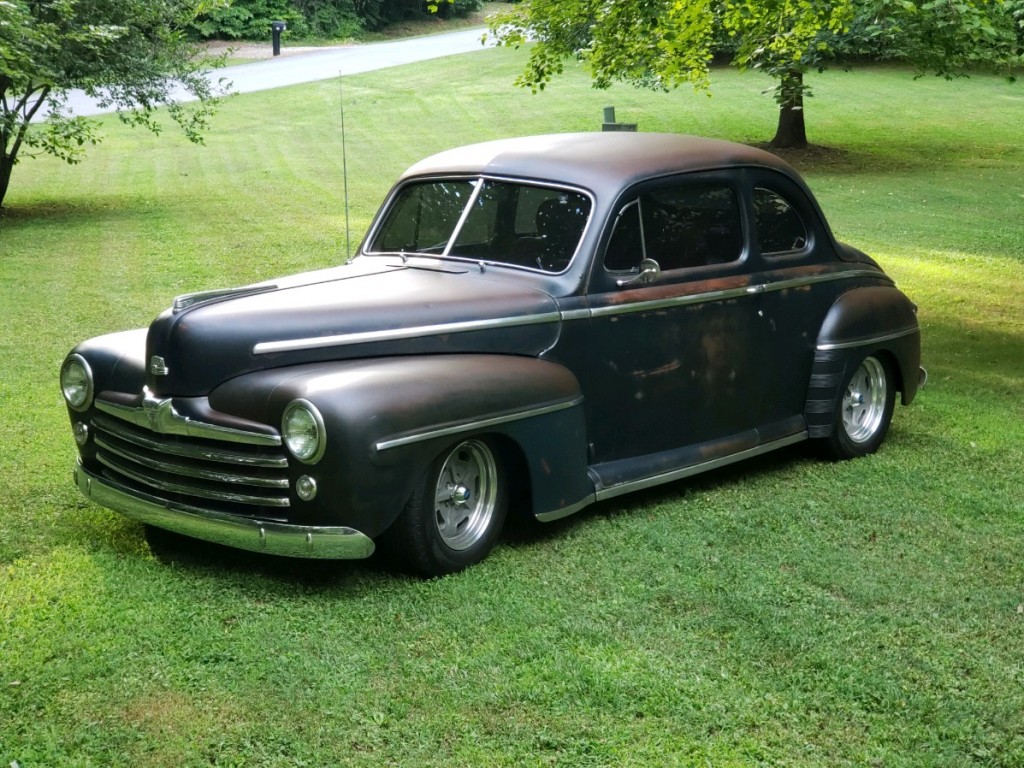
[(130, 55), (250, 19)]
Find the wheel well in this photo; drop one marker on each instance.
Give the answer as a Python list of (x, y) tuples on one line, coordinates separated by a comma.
[(890, 361), (517, 469)]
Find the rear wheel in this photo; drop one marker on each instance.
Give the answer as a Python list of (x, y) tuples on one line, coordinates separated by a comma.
[(456, 513), (865, 410)]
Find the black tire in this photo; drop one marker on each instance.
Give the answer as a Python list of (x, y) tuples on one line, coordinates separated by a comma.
[(455, 515), (864, 410)]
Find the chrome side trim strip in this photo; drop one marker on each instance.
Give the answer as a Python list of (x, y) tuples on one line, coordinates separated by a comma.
[(870, 340), (274, 538), (159, 415), (675, 301), (576, 314), (472, 426), (572, 509), (346, 339), (191, 490), (851, 274), (695, 469), (221, 456), (198, 473), (732, 293)]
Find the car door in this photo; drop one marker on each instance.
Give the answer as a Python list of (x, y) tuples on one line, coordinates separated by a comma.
[(800, 277), (676, 353)]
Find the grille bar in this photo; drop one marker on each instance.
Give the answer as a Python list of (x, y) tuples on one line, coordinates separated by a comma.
[(200, 468), (189, 450), (190, 490), (199, 473)]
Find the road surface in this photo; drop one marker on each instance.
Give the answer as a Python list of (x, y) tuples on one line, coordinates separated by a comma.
[(321, 65)]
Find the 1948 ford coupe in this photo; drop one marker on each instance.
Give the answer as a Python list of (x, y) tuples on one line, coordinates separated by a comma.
[(553, 319)]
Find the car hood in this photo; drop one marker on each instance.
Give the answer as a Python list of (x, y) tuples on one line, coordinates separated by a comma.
[(360, 310)]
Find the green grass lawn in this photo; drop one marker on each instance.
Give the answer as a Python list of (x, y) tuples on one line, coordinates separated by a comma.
[(785, 611)]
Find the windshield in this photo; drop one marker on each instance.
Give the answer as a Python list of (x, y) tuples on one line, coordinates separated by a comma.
[(499, 222)]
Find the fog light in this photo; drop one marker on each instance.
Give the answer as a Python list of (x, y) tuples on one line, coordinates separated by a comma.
[(81, 432), (305, 487)]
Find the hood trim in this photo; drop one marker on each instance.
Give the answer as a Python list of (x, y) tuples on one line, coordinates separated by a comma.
[(393, 334), (190, 300)]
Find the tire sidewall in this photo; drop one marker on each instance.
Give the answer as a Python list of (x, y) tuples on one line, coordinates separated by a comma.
[(841, 444), (419, 536)]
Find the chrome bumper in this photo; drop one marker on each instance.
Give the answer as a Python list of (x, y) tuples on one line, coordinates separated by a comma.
[(327, 543)]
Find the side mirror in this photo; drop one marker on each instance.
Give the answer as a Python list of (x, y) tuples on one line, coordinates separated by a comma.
[(649, 271)]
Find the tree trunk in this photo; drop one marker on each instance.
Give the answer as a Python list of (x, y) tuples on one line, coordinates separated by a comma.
[(6, 166), (10, 143), (791, 132)]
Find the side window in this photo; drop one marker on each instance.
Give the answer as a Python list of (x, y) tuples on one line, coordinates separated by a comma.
[(692, 225), (780, 230), (680, 227)]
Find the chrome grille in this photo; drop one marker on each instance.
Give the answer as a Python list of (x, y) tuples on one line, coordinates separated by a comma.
[(234, 477)]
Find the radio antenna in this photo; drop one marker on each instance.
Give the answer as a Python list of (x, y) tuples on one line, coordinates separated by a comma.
[(344, 165)]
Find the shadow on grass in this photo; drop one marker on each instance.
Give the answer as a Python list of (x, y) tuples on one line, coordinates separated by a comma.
[(180, 551), (819, 158), (92, 208)]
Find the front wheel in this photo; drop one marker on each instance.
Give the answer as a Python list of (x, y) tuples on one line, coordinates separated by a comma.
[(865, 410), (455, 515)]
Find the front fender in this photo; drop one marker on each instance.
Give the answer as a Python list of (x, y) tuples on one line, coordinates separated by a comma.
[(386, 419), (870, 320)]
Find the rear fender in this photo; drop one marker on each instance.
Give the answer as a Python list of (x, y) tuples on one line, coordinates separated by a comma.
[(876, 320)]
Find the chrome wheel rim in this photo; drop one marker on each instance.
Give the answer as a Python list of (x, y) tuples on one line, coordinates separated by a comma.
[(864, 401), (466, 495)]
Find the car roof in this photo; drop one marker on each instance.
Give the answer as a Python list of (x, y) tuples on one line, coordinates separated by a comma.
[(603, 162)]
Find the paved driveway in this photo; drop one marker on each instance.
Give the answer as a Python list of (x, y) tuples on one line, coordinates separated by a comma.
[(323, 64)]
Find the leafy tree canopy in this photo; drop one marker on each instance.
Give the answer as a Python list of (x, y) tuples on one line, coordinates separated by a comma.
[(131, 55), (663, 44)]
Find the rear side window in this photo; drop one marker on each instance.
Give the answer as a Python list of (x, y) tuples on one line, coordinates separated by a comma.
[(780, 230), (680, 227)]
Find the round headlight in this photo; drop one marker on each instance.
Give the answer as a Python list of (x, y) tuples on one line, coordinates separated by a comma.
[(76, 382), (303, 430)]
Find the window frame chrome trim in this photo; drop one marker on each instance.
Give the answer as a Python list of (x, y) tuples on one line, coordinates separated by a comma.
[(478, 424)]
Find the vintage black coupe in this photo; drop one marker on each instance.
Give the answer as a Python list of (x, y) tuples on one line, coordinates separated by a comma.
[(531, 325)]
